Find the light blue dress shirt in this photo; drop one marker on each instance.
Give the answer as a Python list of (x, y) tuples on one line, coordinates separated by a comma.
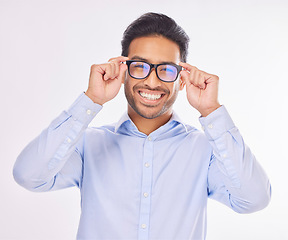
[(135, 186)]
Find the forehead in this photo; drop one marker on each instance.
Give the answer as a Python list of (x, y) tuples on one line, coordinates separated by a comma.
[(155, 49)]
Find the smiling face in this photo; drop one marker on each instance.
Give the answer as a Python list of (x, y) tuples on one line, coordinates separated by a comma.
[(151, 98)]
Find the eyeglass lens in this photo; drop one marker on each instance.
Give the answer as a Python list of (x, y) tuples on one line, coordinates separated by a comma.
[(165, 72)]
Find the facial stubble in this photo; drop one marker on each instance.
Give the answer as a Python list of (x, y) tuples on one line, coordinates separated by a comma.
[(141, 112)]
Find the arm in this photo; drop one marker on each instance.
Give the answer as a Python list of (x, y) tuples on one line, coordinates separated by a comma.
[(53, 160), (235, 178)]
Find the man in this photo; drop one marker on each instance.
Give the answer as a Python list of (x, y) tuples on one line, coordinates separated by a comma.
[(149, 175)]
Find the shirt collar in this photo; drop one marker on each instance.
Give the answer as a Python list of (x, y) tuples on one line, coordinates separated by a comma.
[(126, 119)]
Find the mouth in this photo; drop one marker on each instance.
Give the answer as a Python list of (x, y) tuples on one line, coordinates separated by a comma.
[(151, 97)]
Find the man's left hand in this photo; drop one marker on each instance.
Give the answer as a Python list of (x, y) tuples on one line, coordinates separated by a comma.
[(202, 89)]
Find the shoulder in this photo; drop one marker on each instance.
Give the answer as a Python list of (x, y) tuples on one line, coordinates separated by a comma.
[(195, 135)]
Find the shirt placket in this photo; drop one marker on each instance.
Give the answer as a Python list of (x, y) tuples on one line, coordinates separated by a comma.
[(147, 164)]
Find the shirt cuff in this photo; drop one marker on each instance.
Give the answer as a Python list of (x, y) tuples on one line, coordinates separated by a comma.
[(84, 109), (216, 123)]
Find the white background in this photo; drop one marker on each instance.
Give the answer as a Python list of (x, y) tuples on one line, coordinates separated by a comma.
[(47, 47)]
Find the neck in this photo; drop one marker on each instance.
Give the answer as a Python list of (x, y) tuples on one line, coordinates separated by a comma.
[(148, 126)]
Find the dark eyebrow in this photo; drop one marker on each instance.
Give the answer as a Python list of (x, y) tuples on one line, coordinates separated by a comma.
[(144, 59), (139, 58)]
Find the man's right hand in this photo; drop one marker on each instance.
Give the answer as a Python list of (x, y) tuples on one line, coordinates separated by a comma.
[(106, 79)]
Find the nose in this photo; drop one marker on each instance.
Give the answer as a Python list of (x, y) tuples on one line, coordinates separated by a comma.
[(152, 80)]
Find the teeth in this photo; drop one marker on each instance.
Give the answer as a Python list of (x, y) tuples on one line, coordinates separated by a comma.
[(150, 96)]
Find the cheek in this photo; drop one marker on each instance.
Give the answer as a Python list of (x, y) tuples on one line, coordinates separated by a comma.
[(174, 88), (128, 86)]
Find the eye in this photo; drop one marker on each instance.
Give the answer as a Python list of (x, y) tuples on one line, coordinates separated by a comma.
[(167, 68), (140, 65)]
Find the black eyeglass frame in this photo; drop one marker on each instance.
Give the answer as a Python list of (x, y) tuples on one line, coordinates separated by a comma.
[(179, 68)]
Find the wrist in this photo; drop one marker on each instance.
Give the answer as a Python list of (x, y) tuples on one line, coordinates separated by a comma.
[(205, 112), (94, 98)]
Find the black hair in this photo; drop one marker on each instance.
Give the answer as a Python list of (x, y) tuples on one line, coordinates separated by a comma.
[(156, 24)]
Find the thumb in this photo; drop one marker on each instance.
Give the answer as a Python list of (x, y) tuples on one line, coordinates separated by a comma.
[(184, 76), (122, 71)]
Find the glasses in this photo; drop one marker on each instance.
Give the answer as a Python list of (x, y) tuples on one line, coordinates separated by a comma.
[(165, 72)]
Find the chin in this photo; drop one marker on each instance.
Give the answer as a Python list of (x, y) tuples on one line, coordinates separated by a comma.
[(149, 112)]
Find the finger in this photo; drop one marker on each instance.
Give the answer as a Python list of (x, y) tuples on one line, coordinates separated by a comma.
[(205, 78), (116, 69), (113, 70), (193, 71), (192, 68), (115, 66), (189, 77), (185, 76), (108, 72), (187, 66), (122, 69), (118, 59), (194, 77), (197, 77), (199, 80)]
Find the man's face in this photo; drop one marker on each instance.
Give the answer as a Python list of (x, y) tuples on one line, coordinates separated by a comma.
[(150, 97)]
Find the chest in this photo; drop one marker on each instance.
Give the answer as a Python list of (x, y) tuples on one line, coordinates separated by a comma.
[(129, 165)]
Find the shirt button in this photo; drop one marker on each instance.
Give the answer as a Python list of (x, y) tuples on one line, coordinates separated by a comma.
[(149, 138), (68, 140), (210, 126), (147, 164), (88, 111), (143, 226), (145, 194), (224, 156)]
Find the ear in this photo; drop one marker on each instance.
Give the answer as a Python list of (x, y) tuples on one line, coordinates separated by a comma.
[(182, 83)]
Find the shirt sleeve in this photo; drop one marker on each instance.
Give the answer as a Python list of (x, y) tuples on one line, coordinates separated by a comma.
[(235, 178), (53, 160)]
